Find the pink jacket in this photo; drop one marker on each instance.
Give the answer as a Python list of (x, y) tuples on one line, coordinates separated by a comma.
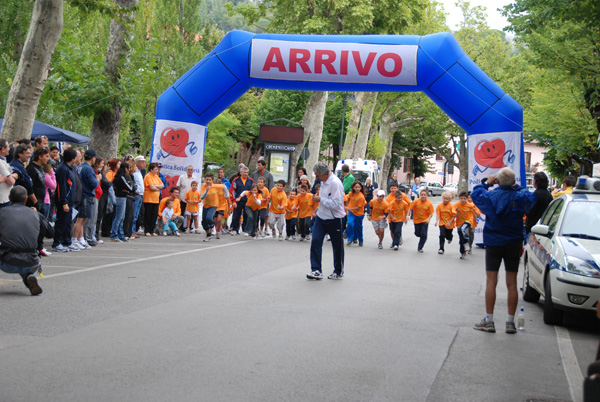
[(50, 181)]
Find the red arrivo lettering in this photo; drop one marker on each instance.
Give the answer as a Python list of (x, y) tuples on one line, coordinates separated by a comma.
[(397, 65), (274, 60), (324, 58), (301, 57), (344, 63), (363, 69)]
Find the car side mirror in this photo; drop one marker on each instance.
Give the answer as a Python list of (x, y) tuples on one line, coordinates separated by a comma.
[(542, 230)]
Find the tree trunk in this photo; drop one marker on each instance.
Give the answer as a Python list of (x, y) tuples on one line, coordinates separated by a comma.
[(352, 130), (104, 137), (360, 149), (24, 95), (313, 131), (463, 165)]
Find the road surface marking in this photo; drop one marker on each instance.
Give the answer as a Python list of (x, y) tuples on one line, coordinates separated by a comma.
[(570, 364)]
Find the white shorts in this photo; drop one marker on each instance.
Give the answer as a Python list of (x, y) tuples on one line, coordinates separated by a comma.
[(188, 213), (380, 224)]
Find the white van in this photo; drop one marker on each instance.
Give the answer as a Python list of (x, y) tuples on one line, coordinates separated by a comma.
[(361, 170)]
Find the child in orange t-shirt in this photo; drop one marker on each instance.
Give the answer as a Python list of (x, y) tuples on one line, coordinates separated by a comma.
[(355, 208), (291, 215), (223, 208), (304, 201), (277, 208), (390, 199), (192, 199), (209, 194), (379, 209), (465, 222), (263, 211), (422, 211), (252, 209), (445, 219), (398, 210)]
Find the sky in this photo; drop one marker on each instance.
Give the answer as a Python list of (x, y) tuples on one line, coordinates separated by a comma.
[(495, 20)]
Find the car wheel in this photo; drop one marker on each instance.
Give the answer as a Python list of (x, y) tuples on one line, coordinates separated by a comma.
[(529, 294), (552, 316), (430, 193)]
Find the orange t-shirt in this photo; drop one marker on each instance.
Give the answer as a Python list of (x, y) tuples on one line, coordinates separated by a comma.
[(465, 213), (110, 175), (445, 213), (378, 209), (278, 199), (291, 209), (398, 210), (192, 195), (421, 210), (223, 197), (251, 203), (151, 196), (355, 200), (264, 193), (212, 198), (305, 203)]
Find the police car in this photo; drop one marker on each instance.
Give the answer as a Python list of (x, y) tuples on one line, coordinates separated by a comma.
[(562, 255)]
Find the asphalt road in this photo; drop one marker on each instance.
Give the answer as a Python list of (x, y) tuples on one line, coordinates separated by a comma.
[(177, 319)]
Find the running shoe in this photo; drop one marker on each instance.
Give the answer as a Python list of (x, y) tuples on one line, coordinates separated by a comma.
[(510, 327), (486, 326), (315, 275), (335, 276)]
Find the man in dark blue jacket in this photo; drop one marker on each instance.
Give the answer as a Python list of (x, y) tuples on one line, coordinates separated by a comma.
[(89, 181), (503, 234), (22, 156), (238, 186), (64, 204)]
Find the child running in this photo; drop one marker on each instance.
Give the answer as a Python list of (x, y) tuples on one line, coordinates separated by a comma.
[(277, 208), (379, 209), (422, 211), (392, 198), (291, 216), (465, 220), (167, 217), (223, 209), (192, 198), (209, 194), (304, 202), (355, 208), (263, 210), (398, 216), (252, 209), (445, 213)]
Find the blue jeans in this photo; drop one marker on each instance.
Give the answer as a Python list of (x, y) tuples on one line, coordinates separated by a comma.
[(117, 225), (396, 228), (23, 271), (252, 222), (332, 227), (208, 218), (171, 225), (421, 233), (137, 205), (354, 229)]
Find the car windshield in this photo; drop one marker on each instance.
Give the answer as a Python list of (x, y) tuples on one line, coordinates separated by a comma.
[(359, 175), (582, 219)]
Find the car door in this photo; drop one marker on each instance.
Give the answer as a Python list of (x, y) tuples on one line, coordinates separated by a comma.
[(542, 245)]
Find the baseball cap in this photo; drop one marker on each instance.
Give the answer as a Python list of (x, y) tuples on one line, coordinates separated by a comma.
[(90, 153), (380, 192), (139, 158)]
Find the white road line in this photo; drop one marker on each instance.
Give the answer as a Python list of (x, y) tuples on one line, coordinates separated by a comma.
[(570, 364), (116, 264)]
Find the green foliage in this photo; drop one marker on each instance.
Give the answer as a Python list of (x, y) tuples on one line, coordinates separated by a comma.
[(218, 142)]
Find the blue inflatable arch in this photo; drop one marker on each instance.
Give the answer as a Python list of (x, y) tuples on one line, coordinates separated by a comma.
[(433, 64)]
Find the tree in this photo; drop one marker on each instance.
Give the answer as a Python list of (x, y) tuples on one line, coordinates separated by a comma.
[(106, 125), (25, 92), (564, 36)]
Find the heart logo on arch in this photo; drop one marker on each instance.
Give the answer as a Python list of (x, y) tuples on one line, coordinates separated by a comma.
[(173, 142), (490, 153)]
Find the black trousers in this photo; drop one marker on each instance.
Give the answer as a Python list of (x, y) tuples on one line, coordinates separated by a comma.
[(150, 215), (128, 221)]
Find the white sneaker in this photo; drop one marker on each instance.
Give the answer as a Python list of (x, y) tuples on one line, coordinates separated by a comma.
[(294, 237), (82, 246), (280, 237), (246, 234)]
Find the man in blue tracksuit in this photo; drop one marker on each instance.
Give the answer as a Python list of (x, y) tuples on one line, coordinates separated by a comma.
[(503, 234), (23, 155), (89, 181), (64, 204)]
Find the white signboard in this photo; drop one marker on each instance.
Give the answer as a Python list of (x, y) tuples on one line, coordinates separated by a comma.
[(334, 62), (177, 145), (488, 153)]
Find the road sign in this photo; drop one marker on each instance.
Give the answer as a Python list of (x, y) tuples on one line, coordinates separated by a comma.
[(305, 154)]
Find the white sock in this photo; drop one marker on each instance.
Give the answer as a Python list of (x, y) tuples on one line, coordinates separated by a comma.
[(511, 318), (73, 240), (489, 317), (82, 240)]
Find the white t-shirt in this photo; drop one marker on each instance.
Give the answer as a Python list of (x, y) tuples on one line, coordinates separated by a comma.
[(185, 184), (332, 198), (5, 170)]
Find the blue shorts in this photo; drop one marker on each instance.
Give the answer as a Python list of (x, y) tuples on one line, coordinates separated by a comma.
[(86, 207)]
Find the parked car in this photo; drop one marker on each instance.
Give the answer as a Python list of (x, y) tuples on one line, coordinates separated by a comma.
[(562, 257), (433, 188), (405, 188), (451, 187)]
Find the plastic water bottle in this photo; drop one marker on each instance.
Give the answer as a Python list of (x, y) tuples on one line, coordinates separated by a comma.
[(521, 320)]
